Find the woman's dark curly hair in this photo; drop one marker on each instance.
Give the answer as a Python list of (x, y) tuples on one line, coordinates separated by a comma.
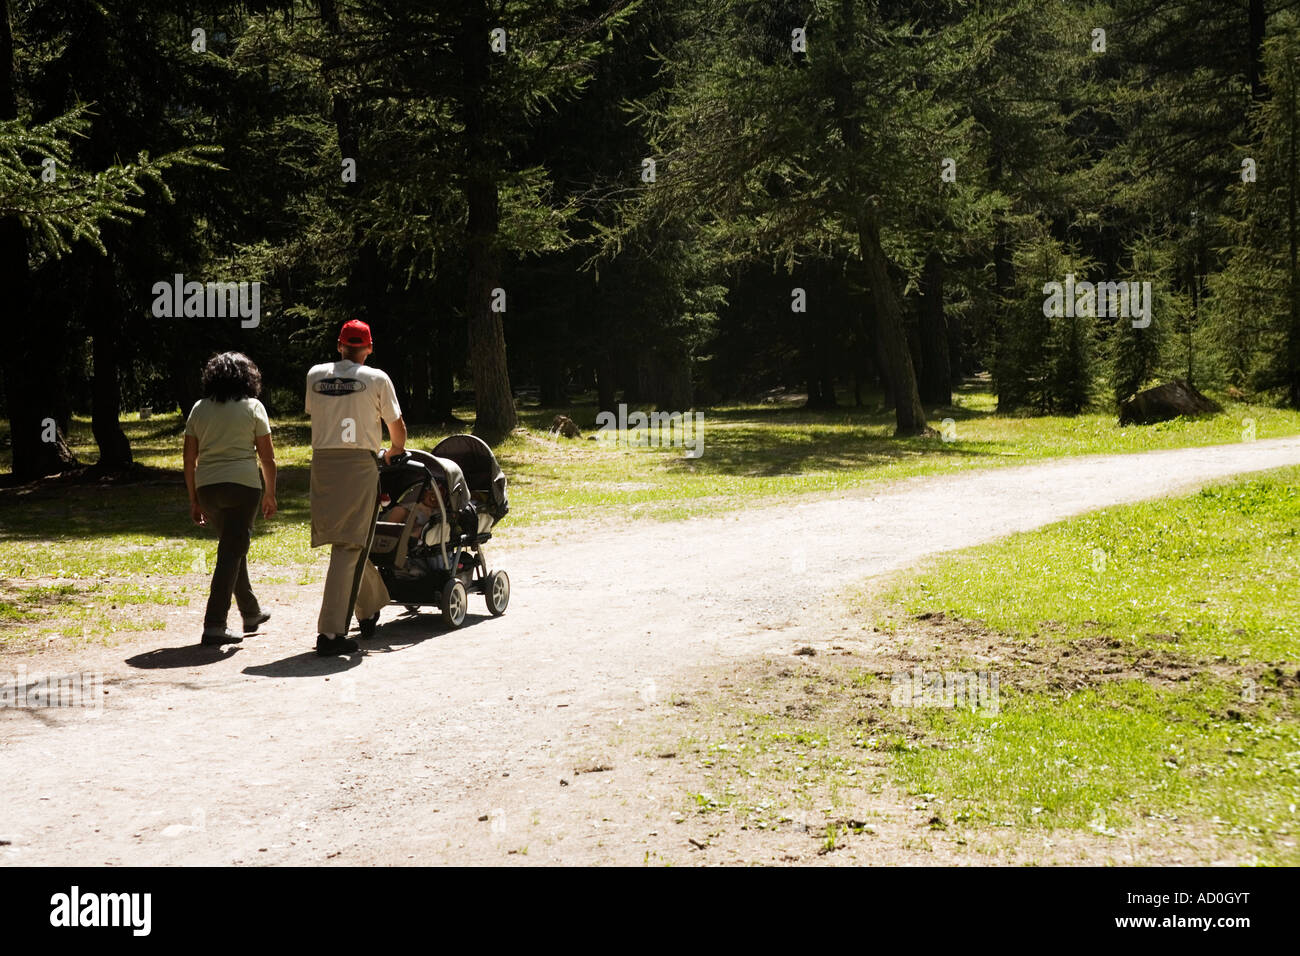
[(231, 375)]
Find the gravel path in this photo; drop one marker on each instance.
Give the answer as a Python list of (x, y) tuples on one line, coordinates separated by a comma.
[(268, 754)]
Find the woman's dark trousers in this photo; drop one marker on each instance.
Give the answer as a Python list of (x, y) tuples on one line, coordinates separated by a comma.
[(231, 509)]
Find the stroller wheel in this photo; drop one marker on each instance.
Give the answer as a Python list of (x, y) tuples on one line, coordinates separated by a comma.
[(413, 608), (497, 591), (454, 603)]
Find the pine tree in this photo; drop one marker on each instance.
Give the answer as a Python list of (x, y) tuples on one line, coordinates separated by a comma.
[(51, 204), (810, 130), (1139, 354), (1257, 296), (438, 99), (1046, 362)]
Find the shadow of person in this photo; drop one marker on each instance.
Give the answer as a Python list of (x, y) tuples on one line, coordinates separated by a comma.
[(306, 664), (404, 631), (411, 628), (191, 655)]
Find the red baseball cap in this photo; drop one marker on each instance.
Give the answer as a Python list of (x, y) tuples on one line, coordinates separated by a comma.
[(355, 332)]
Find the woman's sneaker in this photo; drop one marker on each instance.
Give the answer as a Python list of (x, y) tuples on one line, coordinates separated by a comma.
[(216, 636), (328, 646), (251, 624)]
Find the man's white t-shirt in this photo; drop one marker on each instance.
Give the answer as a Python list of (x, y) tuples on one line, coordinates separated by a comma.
[(346, 400)]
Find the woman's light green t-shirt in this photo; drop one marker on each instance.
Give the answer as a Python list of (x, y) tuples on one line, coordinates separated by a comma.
[(226, 433)]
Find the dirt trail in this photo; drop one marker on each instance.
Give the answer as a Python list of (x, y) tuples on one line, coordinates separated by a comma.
[(420, 750)]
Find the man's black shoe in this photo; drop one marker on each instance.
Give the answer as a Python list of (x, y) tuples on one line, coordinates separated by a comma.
[(327, 646), (217, 636), (251, 624), (369, 625)]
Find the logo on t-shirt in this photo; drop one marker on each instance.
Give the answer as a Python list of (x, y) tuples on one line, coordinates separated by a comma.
[(338, 386)]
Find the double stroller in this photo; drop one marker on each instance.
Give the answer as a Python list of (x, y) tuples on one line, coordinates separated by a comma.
[(436, 510)]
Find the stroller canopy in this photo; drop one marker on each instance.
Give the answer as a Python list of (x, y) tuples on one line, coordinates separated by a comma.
[(397, 478), (475, 461)]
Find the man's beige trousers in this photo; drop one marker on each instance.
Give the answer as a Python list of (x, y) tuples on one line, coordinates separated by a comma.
[(344, 506)]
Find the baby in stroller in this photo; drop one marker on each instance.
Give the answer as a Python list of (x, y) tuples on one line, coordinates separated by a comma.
[(425, 508)]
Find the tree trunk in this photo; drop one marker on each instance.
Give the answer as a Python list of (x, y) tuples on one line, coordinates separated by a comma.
[(550, 376), (185, 382), (629, 373), (889, 331), (828, 391), (1003, 276), (30, 421), (935, 384), (866, 356), (1293, 333), (493, 400), (605, 379), (664, 380), (341, 109), (1258, 23), (814, 361), (821, 383), (420, 382), (887, 328), (1194, 285), (956, 357), (678, 391), (444, 375), (105, 395), (114, 448), (887, 402), (821, 393)]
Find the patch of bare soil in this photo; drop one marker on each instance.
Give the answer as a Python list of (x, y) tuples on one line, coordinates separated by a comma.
[(1058, 665), (785, 758)]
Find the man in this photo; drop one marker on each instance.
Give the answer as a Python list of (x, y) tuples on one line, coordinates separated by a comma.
[(346, 401)]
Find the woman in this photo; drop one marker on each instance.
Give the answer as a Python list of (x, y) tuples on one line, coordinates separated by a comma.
[(225, 435)]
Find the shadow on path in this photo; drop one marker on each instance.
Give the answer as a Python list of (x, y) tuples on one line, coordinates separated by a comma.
[(191, 655), (415, 628), (306, 664)]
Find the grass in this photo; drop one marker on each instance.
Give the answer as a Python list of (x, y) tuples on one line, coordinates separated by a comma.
[(1204, 585), (1108, 756), (758, 452), (1157, 692), (73, 533), (1214, 573)]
